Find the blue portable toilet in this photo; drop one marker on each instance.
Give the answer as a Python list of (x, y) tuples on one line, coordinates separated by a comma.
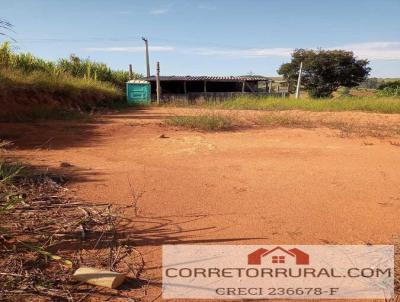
[(138, 92)]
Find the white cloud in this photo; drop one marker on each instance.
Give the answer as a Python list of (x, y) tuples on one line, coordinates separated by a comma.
[(368, 50), (375, 50), (132, 49), (159, 11), (245, 53)]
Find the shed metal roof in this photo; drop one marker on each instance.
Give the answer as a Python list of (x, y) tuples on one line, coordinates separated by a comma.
[(208, 78), (138, 81)]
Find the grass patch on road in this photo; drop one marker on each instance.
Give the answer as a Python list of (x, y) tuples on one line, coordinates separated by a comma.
[(205, 122), (225, 122), (285, 121), (346, 129), (366, 104)]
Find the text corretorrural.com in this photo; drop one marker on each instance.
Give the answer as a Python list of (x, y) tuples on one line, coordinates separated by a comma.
[(308, 271)]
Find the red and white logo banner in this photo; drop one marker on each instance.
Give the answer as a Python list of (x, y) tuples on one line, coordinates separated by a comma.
[(278, 271)]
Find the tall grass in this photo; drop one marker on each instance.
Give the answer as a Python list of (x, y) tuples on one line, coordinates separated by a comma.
[(367, 104), (32, 88), (62, 83), (73, 66), (39, 95)]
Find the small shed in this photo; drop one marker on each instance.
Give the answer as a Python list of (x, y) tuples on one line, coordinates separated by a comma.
[(138, 92), (204, 84)]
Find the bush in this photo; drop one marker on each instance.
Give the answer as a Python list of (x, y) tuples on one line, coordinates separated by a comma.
[(343, 91), (392, 84), (389, 91)]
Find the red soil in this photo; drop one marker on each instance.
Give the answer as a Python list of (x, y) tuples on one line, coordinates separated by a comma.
[(254, 186)]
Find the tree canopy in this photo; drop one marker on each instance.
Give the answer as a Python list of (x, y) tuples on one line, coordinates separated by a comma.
[(325, 70)]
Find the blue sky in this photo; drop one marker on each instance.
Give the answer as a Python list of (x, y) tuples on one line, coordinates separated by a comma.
[(207, 37)]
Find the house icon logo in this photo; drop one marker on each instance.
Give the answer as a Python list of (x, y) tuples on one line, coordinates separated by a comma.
[(278, 255)]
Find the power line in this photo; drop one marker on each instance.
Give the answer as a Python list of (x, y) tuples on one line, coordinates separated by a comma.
[(129, 39)]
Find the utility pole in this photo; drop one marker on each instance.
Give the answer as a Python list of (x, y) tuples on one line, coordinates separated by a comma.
[(299, 81), (158, 85), (146, 43), (130, 72)]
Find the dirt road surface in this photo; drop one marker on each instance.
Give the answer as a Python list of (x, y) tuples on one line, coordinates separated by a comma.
[(250, 186)]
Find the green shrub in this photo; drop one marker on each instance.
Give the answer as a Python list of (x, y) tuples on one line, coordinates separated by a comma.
[(389, 91), (391, 84), (343, 91)]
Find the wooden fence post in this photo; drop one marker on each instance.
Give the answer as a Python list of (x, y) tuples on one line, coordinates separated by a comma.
[(158, 85)]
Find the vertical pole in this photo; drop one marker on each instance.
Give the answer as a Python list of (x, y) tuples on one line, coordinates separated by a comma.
[(205, 86), (299, 81), (146, 43), (185, 90), (243, 84), (158, 85), (130, 72)]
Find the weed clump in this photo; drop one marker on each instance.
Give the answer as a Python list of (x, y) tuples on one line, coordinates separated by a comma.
[(205, 122)]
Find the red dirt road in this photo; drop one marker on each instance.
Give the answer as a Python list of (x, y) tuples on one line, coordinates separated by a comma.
[(253, 186)]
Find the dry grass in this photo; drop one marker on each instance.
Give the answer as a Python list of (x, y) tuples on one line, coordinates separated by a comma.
[(10, 171), (285, 121), (225, 121), (363, 103), (345, 128), (38, 95), (4, 144), (46, 234), (205, 122)]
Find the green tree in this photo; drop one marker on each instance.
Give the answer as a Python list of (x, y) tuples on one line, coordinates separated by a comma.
[(325, 70)]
